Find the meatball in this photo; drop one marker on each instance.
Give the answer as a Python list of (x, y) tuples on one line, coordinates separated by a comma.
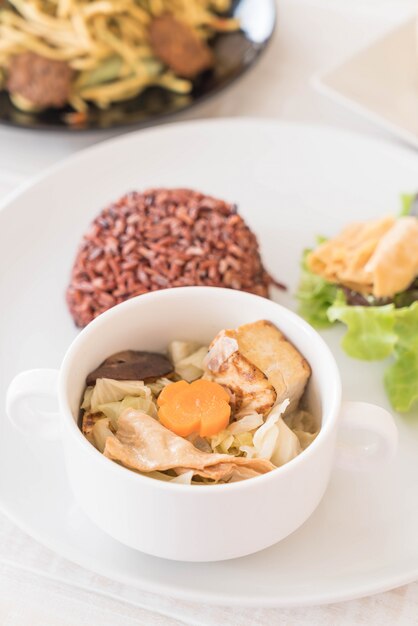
[(43, 82), (179, 47)]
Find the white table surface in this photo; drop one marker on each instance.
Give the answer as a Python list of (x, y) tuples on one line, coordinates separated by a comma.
[(38, 588)]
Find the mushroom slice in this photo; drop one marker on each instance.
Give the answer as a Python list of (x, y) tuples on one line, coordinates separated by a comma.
[(132, 365)]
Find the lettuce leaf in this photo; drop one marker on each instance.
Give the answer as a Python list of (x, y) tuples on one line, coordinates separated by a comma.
[(407, 201), (315, 296), (370, 332), (401, 377), (373, 332), (377, 332)]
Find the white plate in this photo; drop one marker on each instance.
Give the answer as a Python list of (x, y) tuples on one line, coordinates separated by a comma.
[(380, 82), (290, 182)]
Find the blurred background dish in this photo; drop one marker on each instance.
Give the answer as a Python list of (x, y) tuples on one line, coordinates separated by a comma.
[(380, 82), (118, 68)]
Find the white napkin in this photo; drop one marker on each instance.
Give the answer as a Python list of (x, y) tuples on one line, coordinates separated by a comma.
[(55, 589)]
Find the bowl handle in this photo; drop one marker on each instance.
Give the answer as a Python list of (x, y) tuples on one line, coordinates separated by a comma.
[(32, 403), (367, 436)]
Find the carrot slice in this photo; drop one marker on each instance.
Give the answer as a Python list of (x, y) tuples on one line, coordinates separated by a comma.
[(170, 391), (215, 418), (201, 407), (177, 420), (208, 386)]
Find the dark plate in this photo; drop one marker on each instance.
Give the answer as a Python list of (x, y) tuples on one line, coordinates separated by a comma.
[(234, 54)]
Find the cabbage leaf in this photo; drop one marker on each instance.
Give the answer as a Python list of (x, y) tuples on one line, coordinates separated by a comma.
[(109, 390), (112, 410), (187, 358), (274, 440)]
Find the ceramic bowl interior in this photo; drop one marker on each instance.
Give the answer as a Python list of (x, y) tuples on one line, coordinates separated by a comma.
[(152, 321)]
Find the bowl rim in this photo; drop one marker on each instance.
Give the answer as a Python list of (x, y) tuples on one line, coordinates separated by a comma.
[(73, 430)]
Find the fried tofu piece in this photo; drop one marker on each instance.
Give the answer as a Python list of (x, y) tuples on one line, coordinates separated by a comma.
[(255, 359), (227, 366), (287, 371)]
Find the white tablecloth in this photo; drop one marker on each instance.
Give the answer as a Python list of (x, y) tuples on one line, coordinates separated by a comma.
[(38, 588)]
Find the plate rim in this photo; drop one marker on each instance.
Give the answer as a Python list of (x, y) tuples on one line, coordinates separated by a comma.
[(213, 598), (385, 144)]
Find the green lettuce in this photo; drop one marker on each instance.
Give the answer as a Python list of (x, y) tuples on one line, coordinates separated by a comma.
[(315, 296), (373, 333), (401, 377), (407, 200), (370, 332)]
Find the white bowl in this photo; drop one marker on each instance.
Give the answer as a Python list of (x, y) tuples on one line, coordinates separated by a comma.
[(188, 522)]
